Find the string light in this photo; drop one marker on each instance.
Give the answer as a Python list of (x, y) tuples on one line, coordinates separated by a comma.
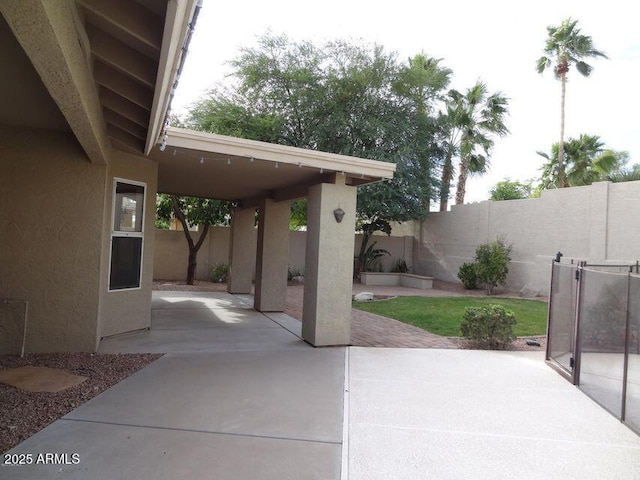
[(202, 158)]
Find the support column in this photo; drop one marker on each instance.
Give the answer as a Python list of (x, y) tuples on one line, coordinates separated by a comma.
[(328, 280), (272, 260), (242, 250)]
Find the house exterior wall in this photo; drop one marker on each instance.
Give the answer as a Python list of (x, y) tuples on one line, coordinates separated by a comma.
[(594, 223), (128, 310), (52, 202)]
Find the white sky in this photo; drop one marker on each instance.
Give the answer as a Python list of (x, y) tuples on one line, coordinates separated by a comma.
[(495, 41)]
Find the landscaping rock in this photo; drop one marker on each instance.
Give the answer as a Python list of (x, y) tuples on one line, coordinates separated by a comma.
[(363, 297), (528, 292)]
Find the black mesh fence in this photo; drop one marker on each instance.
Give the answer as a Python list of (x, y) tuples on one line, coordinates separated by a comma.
[(594, 334), (602, 331), (632, 384), (562, 315)]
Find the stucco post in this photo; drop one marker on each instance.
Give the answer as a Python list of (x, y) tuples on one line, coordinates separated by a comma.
[(242, 250), (272, 260), (328, 280)]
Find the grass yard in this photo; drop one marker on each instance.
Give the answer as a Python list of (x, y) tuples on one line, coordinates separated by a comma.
[(443, 316)]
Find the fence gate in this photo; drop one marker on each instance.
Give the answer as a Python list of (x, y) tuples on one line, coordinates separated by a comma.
[(593, 334)]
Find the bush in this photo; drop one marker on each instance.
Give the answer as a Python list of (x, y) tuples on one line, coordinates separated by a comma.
[(294, 272), (400, 266), (488, 327), (492, 264), (219, 273), (468, 275)]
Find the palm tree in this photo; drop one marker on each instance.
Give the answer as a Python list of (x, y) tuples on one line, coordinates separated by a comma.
[(565, 47), (473, 118), (585, 160)]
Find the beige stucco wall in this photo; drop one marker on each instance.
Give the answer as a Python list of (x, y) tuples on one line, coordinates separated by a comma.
[(171, 252), (595, 223), (128, 310), (51, 200)]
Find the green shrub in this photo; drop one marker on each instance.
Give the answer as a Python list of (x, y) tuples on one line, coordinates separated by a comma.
[(488, 327), (400, 266), (294, 272), (492, 264), (468, 275), (219, 273)]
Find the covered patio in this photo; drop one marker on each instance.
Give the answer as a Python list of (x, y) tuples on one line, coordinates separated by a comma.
[(264, 178)]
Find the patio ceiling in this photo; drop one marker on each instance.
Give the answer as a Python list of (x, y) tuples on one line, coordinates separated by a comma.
[(228, 168), (108, 65)]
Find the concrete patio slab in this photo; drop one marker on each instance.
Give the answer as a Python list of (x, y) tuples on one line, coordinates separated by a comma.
[(293, 393), (199, 322), (108, 452), (452, 414)]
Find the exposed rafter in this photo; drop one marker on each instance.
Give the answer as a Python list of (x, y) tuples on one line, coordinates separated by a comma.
[(49, 33)]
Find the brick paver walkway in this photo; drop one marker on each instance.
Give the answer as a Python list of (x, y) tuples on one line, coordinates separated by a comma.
[(371, 330)]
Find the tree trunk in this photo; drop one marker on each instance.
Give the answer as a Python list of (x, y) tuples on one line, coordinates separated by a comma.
[(562, 176), (191, 269), (193, 247), (461, 188), (445, 183)]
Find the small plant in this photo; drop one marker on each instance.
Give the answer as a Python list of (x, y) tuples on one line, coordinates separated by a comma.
[(219, 273), (488, 327), (468, 275), (400, 266), (370, 259), (492, 264), (294, 272)]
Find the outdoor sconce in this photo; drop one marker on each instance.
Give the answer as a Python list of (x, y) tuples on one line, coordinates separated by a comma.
[(338, 213)]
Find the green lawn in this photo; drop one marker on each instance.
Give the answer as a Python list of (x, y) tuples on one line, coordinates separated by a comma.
[(443, 316)]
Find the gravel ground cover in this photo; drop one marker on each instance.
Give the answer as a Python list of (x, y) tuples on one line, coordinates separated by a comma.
[(23, 413)]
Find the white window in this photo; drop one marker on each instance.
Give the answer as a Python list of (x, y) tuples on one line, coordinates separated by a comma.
[(127, 235)]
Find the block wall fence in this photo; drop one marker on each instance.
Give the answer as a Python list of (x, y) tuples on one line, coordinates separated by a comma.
[(599, 223)]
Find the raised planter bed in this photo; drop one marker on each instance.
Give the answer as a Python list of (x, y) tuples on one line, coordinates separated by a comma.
[(396, 279)]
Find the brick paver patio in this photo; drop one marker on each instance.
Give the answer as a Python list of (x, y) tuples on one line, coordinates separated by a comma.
[(371, 330)]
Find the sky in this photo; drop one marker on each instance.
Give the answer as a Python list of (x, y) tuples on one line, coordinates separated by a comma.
[(495, 41)]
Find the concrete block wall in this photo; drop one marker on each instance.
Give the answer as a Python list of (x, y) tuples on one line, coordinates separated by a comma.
[(595, 223), (171, 252)]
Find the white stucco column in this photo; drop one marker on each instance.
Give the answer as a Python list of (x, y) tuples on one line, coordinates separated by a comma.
[(272, 260), (242, 250), (328, 279)]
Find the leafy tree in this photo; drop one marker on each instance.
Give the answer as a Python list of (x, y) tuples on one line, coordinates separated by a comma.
[(585, 160), (472, 119), (510, 190), (339, 97), (190, 212), (566, 46)]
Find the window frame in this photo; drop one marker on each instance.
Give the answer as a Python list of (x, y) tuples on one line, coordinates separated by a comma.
[(126, 234)]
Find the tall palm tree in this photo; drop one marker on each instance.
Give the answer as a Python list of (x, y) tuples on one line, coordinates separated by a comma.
[(474, 118), (566, 46)]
